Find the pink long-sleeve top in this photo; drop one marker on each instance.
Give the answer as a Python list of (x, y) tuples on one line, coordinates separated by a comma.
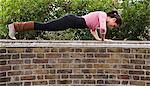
[(96, 20)]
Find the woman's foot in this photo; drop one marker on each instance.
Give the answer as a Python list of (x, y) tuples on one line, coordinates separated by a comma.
[(12, 31)]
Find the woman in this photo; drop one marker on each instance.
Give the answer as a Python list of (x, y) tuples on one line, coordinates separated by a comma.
[(94, 20)]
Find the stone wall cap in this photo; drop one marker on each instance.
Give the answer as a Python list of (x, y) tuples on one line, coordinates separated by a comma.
[(73, 43)]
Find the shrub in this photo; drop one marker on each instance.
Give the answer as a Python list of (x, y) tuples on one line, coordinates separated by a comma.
[(135, 17)]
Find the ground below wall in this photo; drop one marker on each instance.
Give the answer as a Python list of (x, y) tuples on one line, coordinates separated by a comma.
[(74, 63)]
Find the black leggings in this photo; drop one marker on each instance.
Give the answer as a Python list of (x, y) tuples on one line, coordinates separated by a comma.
[(68, 21)]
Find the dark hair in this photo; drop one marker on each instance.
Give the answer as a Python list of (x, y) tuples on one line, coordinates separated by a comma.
[(114, 14)]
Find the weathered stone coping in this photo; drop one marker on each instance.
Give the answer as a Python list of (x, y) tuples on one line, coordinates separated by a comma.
[(73, 43)]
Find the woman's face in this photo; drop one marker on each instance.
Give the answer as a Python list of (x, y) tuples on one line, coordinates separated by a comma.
[(111, 23)]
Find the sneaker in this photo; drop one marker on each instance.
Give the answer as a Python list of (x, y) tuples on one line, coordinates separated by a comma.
[(12, 31)]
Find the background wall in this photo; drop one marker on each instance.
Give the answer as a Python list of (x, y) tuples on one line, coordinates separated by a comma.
[(74, 63)]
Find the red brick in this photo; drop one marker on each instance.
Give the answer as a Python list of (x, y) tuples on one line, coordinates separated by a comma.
[(54, 50), (29, 66), (124, 77), (27, 61), (76, 82), (2, 50), (88, 76), (88, 81), (76, 76), (145, 78), (52, 77), (78, 50), (112, 82), (5, 68), (112, 71), (27, 77), (137, 83), (126, 66), (100, 81), (40, 60), (2, 74), (64, 81), (5, 56), (65, 55), (147, 72), (52, 55), (64, 76), (138, 67), (146, 67), (100, 71), (125, 82), (28, 50), (52, 71), (90, 71), (138, 50), (15, 56), (52, 81), (127, 56), (136, 72), (13, 73), (27, 83), (100, 76), (112, 61), (40, 72), (102, 55), (126, 50), (53, 65), (101, 66), (77, 55), (89, 60), (6, 79), (90, 55), (2, 62), (102, 49), (39, 50), (139, 56), (15, 62), (90, 50), (15, 84), (64, 71), (16, 67), (136, 77), (40, 83), (137, 62), (77, 65), (28, 55), (146, 56), (15, 50), (89, 65), (40, 55), (28, 72), (77, 61), (116, 50), (66, 49), (65, 60), (112, 76)]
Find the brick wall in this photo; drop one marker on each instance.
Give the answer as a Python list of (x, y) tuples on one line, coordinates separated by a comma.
[(74, 63)]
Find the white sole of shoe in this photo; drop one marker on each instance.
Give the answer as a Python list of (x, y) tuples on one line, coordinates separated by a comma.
[(12, 31)]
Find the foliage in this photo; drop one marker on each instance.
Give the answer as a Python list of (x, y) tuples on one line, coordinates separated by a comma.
[(136, 21), (135, 17)]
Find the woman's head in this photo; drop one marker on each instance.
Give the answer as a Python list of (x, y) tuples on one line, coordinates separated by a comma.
[(113, 19)]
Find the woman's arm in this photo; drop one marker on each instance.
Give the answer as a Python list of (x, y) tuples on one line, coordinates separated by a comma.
[(94, 33)]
